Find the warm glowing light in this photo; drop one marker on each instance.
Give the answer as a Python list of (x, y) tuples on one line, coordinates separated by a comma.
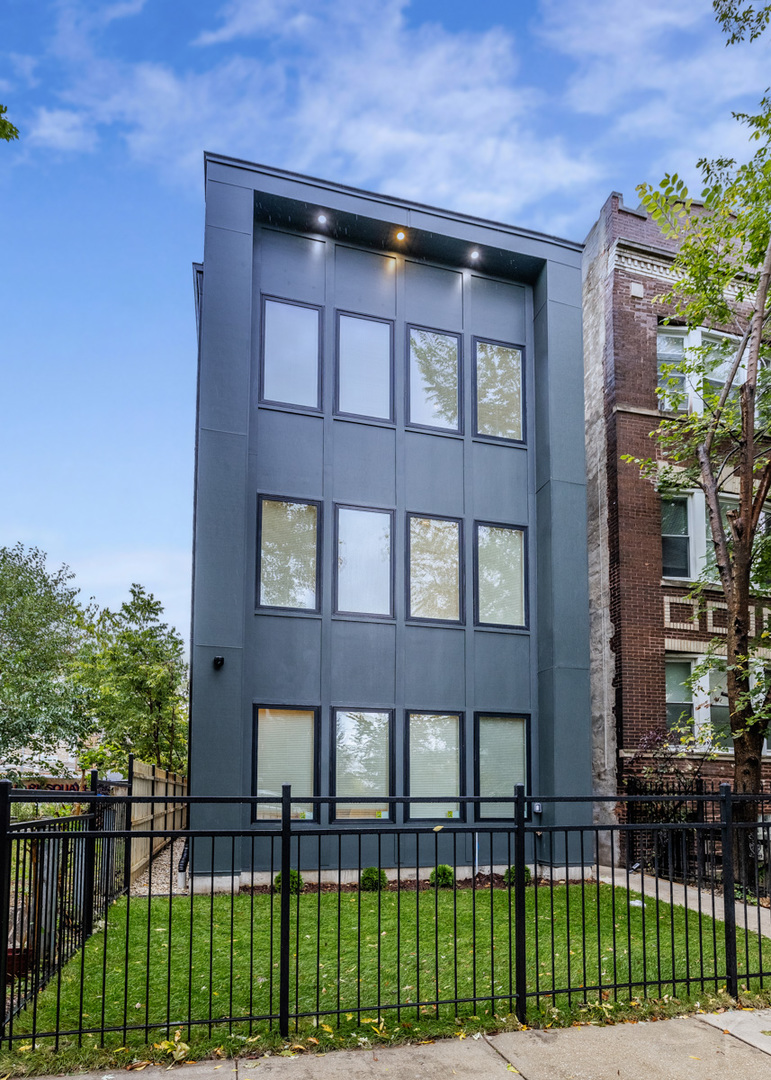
[(474, 255), (400, 235), (322, 219)]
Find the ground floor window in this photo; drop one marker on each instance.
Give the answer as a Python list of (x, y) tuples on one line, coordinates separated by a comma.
[(362, 743), (284, 754), (699, 699), (434, 762), (501, 761)]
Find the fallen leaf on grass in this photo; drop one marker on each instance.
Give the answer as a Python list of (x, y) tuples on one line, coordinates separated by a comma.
[(137, 1066)]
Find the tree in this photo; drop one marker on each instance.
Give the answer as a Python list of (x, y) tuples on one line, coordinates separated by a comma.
[(722, 273), (7, 129), (42, 627), (133, 676)]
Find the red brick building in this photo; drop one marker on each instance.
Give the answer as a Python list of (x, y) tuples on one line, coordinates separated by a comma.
[(646, 634)]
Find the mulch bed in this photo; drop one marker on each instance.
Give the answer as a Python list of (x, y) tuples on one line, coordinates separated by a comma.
[(481, 881)]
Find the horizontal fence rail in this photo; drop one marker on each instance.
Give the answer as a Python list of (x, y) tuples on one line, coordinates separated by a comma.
[(281, 920)]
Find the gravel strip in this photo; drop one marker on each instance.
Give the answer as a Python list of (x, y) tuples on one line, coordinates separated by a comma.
[(164, 869)]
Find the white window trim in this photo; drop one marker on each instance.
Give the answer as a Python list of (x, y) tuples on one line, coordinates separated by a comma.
[(700, 693), (694, 339)]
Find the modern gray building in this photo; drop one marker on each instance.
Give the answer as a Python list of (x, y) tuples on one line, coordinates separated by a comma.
[(390, 565)]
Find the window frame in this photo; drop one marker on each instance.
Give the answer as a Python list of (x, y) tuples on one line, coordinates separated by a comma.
[(423, 619), (476, 340), (410, 424), (391, 323), (692, 339), (335, 568), (525, 575), (461, 715), (318, 503), (316, 769), (291, 405), (389, 815), (527, 718), (693, 555)]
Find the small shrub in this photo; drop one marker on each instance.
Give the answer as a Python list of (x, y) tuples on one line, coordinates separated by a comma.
[(372, 879), (296, 883), (508, 877), (442, 877)]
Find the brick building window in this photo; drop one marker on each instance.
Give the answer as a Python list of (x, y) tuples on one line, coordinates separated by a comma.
[(675, 538)]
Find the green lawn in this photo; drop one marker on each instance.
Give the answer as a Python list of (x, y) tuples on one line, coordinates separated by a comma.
[(213, 961)]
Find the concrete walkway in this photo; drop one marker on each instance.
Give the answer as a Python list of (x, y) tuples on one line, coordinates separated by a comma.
[(734, 1045), (755, 919)]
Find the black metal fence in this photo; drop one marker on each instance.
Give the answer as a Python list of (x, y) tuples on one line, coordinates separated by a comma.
[(372, 922)]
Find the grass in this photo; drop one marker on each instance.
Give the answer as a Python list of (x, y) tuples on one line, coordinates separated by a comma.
[(157, 964)]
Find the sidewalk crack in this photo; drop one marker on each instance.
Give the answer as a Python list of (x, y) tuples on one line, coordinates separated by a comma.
[(502, 1055)]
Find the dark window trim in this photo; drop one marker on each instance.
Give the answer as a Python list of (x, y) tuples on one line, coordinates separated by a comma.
[(523, 392), (262, 497), (461, 716), (412, 425), (527, 717), (262, 400), (256, 706), (525, 574), (335, 569), (391, 323), (460, 621), (389, 815), (688, 538)]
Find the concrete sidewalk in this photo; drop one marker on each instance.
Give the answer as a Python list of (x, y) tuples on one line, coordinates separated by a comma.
[(706, 1047)]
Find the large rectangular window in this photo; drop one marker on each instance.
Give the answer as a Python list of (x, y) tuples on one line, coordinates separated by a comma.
[(500, 565), (362, 761), (434, 569), (288, 561), (434, 379), (284, 754), (364, 367), (364, 561), (502, 761), (675, 545), (434, 763), (498, 386), (290, 362)]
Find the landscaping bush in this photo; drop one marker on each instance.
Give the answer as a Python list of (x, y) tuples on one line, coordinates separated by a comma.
[(508, 877), (443, 877), (372, 879), (296, 883)]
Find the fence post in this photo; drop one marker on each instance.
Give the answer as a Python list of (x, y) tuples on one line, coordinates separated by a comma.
[(729, 896), (520, 936), (128, 825), (5, 896), (89, 861), (285, 909)]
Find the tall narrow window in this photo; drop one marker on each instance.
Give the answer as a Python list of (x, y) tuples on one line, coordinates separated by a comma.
[(288, 554), (290, 368), (502, 762), (500, 559), (719, 713), (434, 569), (434, 762), (498, 380), (364, 561), (675, 560), (434, 379), (364, 367), (679, 693), (284, 755), (671, 381), (362, 761)]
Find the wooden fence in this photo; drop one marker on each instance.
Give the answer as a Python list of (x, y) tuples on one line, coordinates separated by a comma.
[(162, 817)]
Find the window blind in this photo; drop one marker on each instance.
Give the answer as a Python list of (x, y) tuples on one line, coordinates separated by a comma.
[(285, 756), (434, 568), (502, 762), (363, 561), (434, 741)]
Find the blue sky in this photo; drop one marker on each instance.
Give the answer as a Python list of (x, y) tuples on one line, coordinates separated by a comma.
[(526, 112)]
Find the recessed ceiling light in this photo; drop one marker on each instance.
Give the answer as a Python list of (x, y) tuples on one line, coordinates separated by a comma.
[(322, 219), (474, 255), (400, 235)]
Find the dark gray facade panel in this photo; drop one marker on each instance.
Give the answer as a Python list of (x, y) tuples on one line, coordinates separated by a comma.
[(572, 745), (289, 457), (283, 660), (363, 464), (363, 664), (564, 283), (500, 483), (542, 390), (434, 296), (220, 528), (544, 601), (569, 593), (502, 672), (292, 266), (225, 362), (217, 737), (434, 474), (229, 207), (566, 454), (365, 282), (497, 310), (435, 669)]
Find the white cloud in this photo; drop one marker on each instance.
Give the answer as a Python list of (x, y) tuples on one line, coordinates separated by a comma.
[(62, 129)]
